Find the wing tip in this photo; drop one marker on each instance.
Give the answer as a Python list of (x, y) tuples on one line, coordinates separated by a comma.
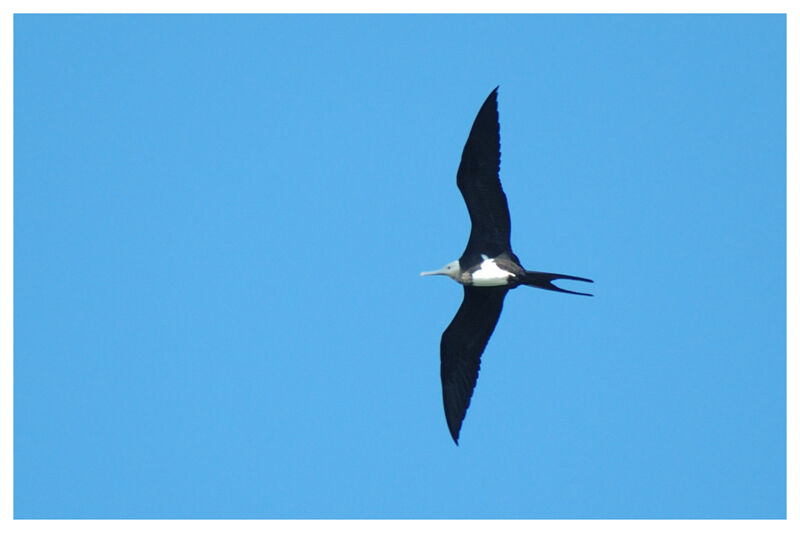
[(493, 94), (454, 433), (455, 418)]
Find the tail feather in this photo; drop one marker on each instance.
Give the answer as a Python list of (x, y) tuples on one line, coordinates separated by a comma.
[(544, 280)]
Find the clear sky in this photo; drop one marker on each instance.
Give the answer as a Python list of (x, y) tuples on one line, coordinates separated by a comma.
[(220, 223)]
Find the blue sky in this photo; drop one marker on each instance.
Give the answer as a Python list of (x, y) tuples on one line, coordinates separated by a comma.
[(220, 222)]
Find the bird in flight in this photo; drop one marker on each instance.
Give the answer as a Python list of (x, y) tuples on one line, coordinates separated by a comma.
[(487, 269)]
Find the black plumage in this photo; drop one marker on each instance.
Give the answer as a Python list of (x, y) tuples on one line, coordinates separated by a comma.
[(478, 180), (462, 344), (489, 248)]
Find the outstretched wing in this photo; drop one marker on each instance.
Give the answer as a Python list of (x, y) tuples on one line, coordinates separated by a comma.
[(463, 343), (479, 183)]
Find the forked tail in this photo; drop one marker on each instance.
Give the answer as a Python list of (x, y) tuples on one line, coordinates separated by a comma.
[(544, 280)]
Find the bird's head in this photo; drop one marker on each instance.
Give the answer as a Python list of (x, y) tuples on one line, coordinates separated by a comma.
[(452, 270)]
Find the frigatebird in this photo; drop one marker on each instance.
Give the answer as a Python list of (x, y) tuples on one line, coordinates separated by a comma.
[(487, 269)]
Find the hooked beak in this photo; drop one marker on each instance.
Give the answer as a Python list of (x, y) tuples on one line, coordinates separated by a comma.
[(440, 272)]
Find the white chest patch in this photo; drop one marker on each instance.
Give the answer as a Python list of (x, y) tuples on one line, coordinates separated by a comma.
[(490, 275)]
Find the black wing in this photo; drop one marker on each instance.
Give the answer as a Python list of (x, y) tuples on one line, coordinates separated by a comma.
[(463, 343), (479, 182)]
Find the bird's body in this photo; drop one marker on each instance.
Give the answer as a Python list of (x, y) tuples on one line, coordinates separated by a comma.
[(490, 272), (487, 269)]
